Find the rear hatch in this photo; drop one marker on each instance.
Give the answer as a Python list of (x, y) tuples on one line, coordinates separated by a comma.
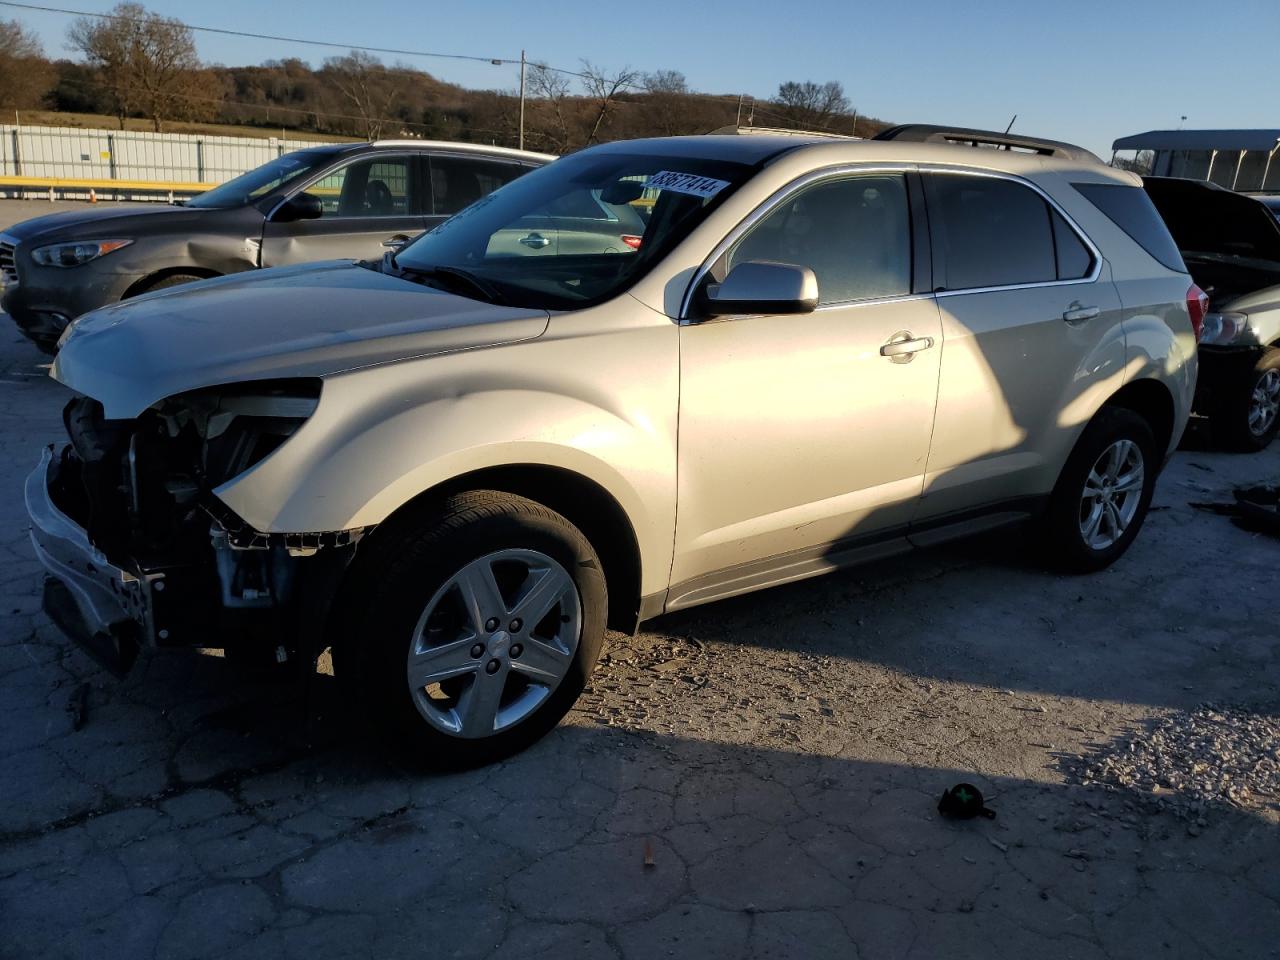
[(1230, 242)]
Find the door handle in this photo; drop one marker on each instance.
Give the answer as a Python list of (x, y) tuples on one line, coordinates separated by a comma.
[(1078, 314), (902, 347), (535, 240), (399, 240)]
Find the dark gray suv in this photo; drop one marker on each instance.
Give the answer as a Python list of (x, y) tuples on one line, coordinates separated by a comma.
[(328, 202)]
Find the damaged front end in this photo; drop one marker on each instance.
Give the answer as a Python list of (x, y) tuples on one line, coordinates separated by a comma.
[(140, 551)]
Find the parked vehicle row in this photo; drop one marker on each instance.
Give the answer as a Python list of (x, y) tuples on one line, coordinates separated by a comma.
[(1231, 244), (344, 200), (456, 463)]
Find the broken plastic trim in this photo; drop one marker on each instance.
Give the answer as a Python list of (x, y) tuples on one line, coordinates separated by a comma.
[(241, 536)]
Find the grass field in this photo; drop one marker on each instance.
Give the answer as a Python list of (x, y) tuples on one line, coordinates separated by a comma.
[(98, 121)]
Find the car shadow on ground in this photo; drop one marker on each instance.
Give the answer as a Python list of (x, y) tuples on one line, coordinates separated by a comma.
[(715, 841)]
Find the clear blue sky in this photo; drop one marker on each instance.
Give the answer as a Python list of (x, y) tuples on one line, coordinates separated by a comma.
[(1087, 71)]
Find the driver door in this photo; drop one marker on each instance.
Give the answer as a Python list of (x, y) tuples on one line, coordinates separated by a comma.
[(802, 440), (370, 203)]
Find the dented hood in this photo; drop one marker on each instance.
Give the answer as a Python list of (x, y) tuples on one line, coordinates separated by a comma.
[(307, 321)]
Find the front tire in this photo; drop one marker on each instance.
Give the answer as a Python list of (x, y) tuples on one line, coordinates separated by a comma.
[(1247, 417), (483, 622), (1103, 493)]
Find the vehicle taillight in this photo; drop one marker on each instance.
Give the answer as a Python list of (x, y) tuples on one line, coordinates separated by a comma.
[(1197, 306), (631, 240)]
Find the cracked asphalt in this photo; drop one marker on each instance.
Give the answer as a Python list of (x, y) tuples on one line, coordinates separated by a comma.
[(756, 778)]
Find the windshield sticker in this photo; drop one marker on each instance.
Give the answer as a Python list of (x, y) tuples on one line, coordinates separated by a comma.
[(689, 183)]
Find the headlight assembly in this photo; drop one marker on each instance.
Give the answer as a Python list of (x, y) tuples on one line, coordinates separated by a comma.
[(75, 253), (1224, 329)]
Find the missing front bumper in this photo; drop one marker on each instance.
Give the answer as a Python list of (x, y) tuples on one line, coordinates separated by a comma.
[(104, 608)]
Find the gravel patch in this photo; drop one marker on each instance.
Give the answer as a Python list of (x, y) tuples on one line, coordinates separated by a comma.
[(1188, 762)]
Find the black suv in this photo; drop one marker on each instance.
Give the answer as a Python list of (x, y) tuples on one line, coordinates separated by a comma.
[(327, 202)]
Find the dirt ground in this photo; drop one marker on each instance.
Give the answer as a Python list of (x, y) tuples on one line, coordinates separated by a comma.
[(778, 758)]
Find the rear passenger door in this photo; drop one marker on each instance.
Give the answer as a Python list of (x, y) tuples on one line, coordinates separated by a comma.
[(1032, 334), (369, 203)]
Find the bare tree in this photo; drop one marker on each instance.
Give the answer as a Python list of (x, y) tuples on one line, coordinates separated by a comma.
[(147, 62), (811, 104), (605, 89), (1141, 162), (368, 86), (665, 105), (552, 88), (25, 75)]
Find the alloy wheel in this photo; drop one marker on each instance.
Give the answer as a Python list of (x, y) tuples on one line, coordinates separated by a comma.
[(1112, 493), (1264, 404), (494, 642)]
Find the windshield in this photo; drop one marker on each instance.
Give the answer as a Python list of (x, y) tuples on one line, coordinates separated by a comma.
[(578, 231), (260, 181)]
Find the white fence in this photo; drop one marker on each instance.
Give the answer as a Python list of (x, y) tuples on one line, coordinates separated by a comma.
[(69, 152)]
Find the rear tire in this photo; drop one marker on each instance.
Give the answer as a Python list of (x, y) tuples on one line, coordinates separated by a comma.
[(1247, 416), (436, 648), (1103, 493)]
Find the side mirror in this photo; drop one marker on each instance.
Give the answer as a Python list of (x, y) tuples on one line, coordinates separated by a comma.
[(762, 286), (301, 206)]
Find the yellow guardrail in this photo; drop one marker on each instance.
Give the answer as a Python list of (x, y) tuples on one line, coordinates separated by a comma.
[(84, 185)]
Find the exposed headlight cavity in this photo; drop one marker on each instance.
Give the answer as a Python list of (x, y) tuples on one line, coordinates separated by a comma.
[(240, 424)]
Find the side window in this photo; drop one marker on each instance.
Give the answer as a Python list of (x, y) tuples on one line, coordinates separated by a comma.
[(855, 234), (458, 182), (993, 232), (1074, 259), (1131, 209), (372, 187)]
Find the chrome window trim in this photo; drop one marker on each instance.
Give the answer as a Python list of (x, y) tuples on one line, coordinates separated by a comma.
[(345, 161), (765, 208), (1094, 272), (845, 170)]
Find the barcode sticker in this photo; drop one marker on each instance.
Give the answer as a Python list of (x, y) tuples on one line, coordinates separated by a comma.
[(689, 183)]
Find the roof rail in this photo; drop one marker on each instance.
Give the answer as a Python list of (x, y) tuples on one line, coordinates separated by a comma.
[(456, 146), (963, 136), (745, 131)]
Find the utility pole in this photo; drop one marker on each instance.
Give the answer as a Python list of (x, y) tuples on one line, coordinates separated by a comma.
[(522, 63), (739, 120)]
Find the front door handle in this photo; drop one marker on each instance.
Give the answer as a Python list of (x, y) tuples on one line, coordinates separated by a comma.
[(902, 346), (535, 240), (1078, 314), (396, 242)]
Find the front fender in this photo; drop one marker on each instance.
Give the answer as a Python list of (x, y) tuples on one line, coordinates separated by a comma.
[(602, 406)]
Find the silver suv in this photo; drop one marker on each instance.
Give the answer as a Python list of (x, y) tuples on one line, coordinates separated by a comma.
[(457, 464)]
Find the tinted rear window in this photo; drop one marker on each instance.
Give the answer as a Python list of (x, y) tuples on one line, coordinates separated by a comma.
[(994, 232), (1130, 209)]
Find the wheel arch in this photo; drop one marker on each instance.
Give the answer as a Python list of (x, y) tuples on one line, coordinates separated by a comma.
[(1153, 401), (579, 499), (151, 279)]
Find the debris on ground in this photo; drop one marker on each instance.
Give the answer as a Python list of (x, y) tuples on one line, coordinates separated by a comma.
[(1187, 762), (78, 706), (964, 802), (1254, 508)]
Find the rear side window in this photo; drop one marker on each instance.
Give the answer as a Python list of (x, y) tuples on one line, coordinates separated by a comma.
[(1130, 209), (458, 182), (992, 232)]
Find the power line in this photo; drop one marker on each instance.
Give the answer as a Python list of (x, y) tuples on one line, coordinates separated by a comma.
[(723, 99), (495, 61)]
